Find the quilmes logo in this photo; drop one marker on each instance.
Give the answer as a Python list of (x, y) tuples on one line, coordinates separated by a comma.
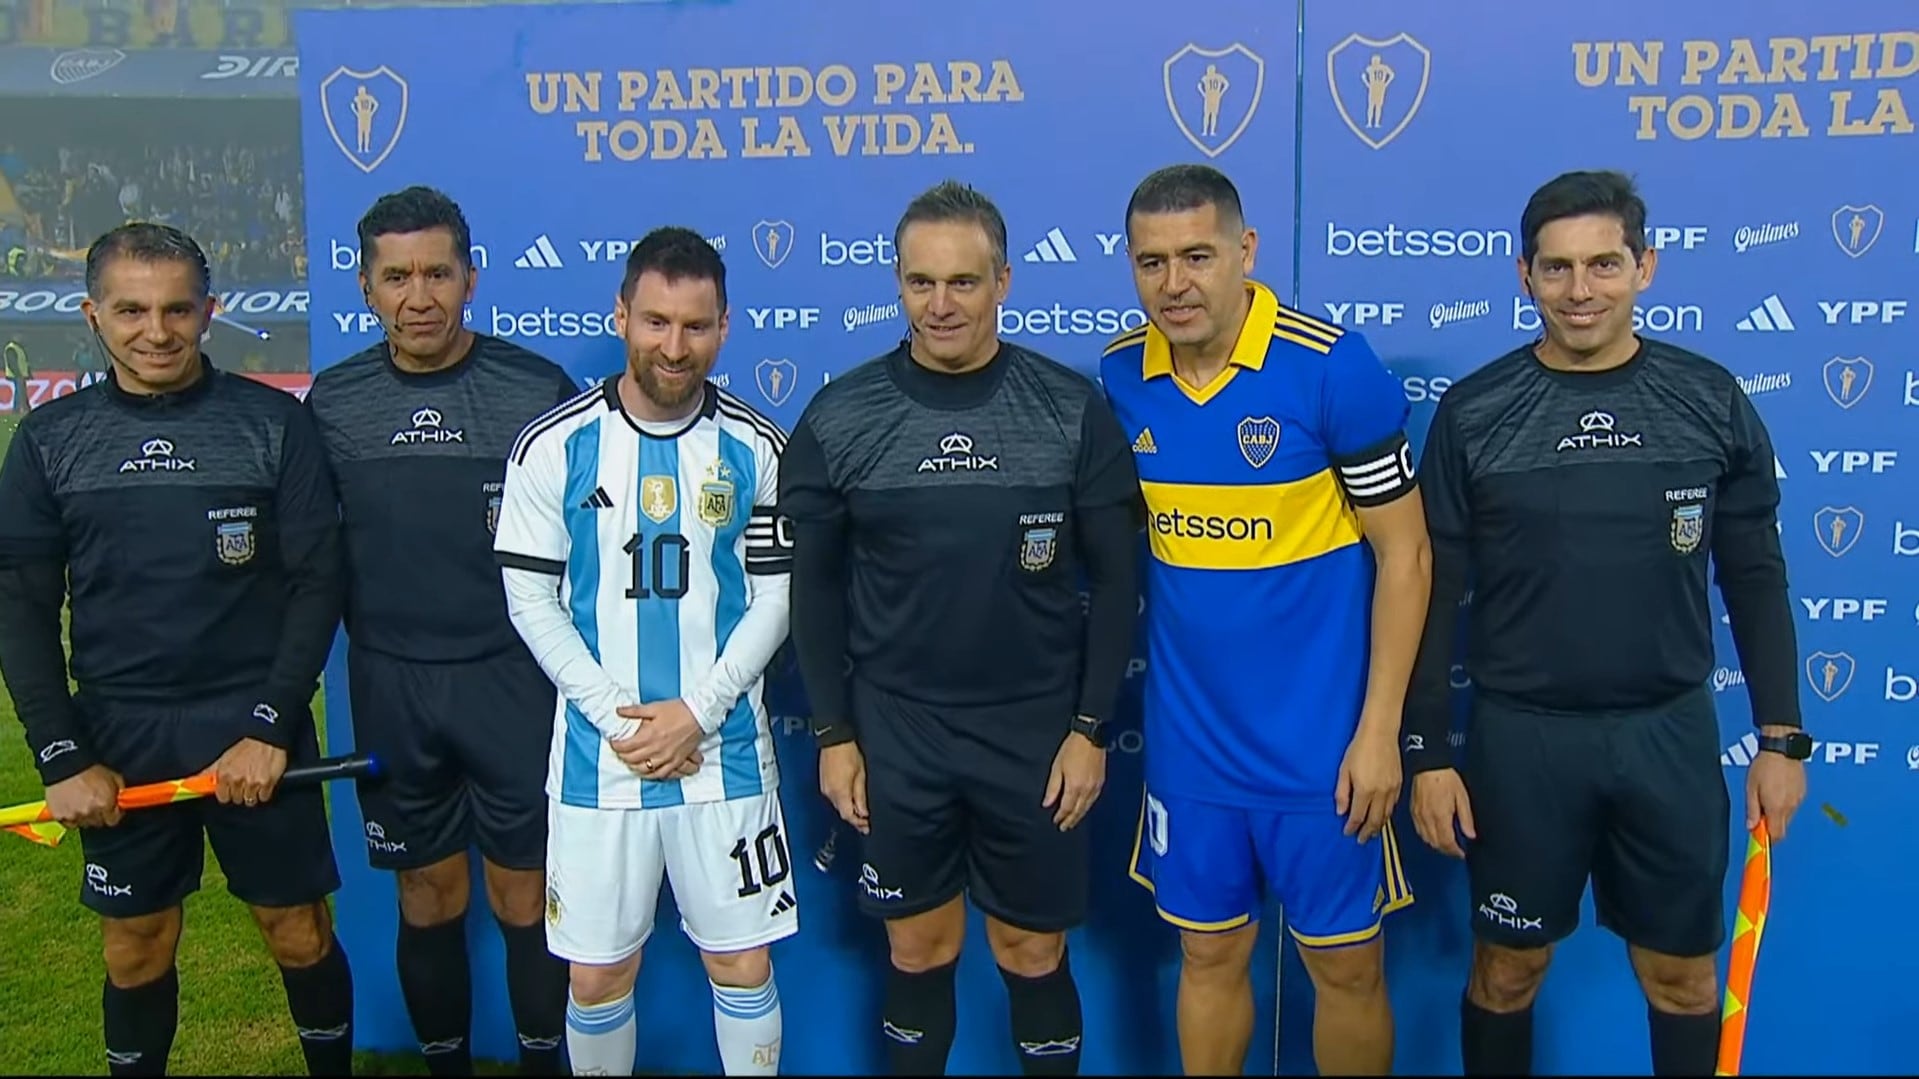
[(1856, 228), (1213, 93), (365, 112), (1378, 85)]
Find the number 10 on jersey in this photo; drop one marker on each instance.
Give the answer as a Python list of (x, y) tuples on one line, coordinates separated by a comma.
[(661, 568)]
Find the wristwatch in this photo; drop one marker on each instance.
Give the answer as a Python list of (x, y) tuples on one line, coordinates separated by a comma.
[(1091, 728), (1796, 746)]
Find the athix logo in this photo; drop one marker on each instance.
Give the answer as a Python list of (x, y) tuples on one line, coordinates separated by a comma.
[(539, 255), (1502, 909), (1856, 228), (1053, 247), (1749, 237), (1847, 380), (1769, 317), (1830, 674), (428, 427), (157, 455), (1599, 430), (956, 455)]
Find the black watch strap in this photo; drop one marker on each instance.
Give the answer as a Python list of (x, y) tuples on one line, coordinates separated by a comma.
[(1796, 745), (1094, 730)]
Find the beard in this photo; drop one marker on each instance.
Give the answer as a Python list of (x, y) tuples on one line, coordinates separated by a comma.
[(662, 392)]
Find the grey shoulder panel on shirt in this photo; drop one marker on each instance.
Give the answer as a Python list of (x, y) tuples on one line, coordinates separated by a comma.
[(368, 412)]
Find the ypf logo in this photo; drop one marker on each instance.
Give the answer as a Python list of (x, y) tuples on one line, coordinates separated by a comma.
[(371, 106), (1213, 93), (772, 242), (1378, 85), (1847, 380), (1856, 228)]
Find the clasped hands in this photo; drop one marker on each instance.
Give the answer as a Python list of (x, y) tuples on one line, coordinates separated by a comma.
[(665, 742)]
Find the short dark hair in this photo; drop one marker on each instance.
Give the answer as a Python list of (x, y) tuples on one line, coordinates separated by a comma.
[(676, 254), (415, 209), (1179, 188), (146, 241), (1578, 194), (953, 202)]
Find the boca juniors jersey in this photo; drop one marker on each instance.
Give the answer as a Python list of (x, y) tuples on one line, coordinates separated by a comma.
[(1259, 584)]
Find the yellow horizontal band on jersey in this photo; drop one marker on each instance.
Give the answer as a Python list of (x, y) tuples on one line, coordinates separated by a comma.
[(1252, 526)]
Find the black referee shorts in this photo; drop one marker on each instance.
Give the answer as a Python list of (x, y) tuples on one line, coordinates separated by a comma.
[(274, 855), (953, 797), (1634, 800), (465, 749)]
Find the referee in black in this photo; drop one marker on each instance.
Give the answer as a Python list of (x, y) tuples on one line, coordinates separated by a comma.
[(945, 499), (417, 429), (1583, 481), (189, 516)]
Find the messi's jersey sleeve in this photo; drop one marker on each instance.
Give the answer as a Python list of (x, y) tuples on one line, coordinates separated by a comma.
[(1258, 586), (660, 543)]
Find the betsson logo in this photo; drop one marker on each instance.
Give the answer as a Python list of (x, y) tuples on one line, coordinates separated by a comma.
[(1395, 242), (1659, 318), (1069, 321)]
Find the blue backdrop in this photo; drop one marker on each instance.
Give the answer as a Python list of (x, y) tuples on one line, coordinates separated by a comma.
[(1384, 151)]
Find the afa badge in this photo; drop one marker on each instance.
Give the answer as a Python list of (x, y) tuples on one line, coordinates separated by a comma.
[(716, 496), (552, 905), (1688, 528), (1037, 548), (233, 541)]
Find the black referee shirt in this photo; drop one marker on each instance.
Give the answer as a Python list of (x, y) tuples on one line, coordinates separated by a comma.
[(941, 524), (197, 535), (420, 460), (1582, 509)]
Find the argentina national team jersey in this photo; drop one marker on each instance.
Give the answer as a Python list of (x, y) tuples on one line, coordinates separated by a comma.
[(654, 538), (1258, 589)]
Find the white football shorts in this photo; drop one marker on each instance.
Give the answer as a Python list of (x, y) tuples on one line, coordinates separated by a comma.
[(727, 862)]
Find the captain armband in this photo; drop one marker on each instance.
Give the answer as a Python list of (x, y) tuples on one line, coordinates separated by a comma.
[(769, 542), (1378, 474)]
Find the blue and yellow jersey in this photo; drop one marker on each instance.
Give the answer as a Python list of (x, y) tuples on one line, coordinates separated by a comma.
[(1259, 588)]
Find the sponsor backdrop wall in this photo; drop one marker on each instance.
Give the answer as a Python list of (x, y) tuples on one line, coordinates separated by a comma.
[(1384, 152)]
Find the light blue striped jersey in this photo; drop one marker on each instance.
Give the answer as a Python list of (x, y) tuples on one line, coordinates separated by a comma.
[(659, 540)]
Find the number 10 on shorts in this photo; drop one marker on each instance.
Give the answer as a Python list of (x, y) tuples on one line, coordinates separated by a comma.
[(762, 860)]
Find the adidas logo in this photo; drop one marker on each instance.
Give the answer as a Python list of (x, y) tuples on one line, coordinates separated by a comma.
[(1053, 248), (784, 903), (540, 256), (598, 500), (1144, 443), (1769, 317)]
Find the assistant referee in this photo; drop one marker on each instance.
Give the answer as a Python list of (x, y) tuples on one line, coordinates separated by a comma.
[(1583, 481), (190, 516), (944, 499)]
